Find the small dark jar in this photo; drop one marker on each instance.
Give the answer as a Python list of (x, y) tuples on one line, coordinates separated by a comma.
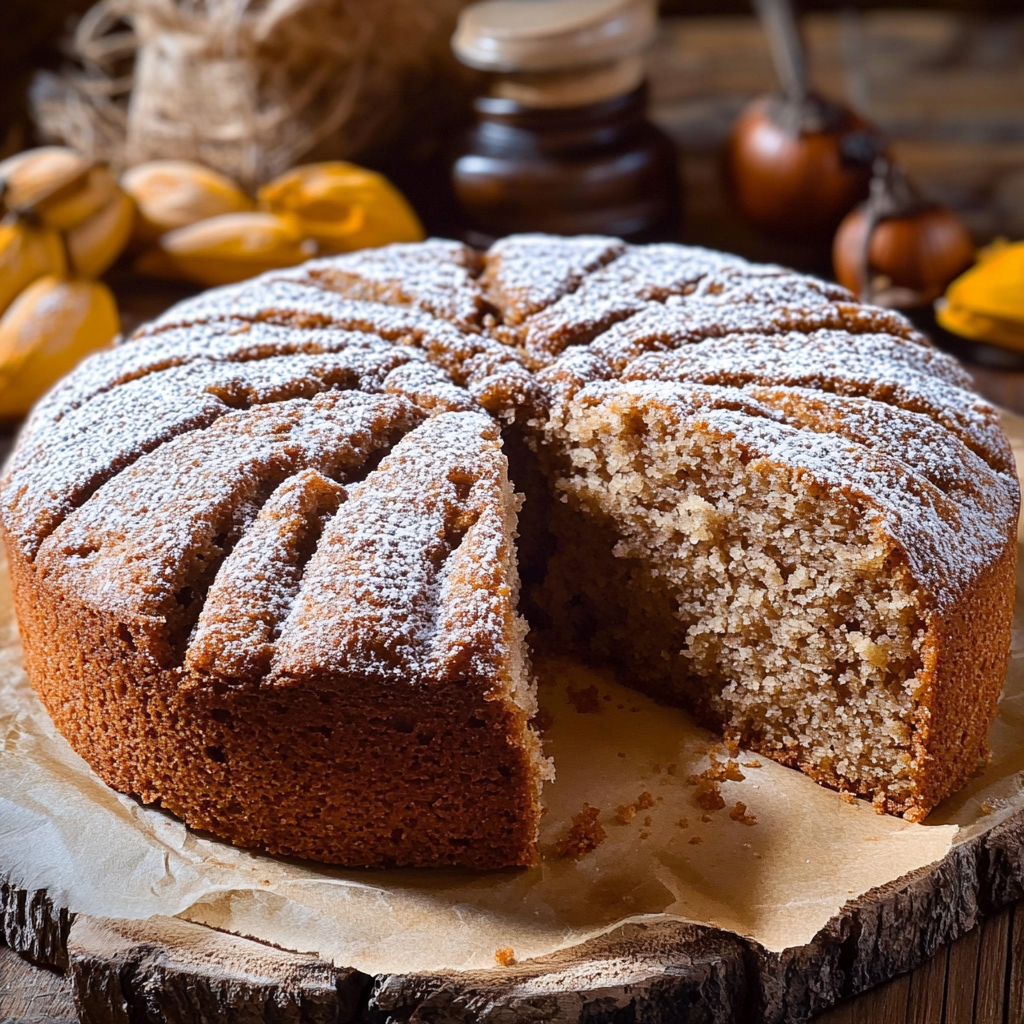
[(601, 169), (561, 143)]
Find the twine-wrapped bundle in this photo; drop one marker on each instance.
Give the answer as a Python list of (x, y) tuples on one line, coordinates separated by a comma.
[(246, 86)]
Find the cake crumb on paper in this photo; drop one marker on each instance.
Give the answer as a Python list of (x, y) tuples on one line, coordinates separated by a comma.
[(683, 822), (848, 798), (695, 840), (586, 834), (625, 813), (644, 800), (586, 701), (752, 764), (505, 956), (709, 796), (739, 813)]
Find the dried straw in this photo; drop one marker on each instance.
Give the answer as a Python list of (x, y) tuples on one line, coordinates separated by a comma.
[(246, 86)]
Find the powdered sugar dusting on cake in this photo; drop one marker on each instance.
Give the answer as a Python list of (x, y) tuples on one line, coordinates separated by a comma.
[(436, 276), (162, 524), (886, 369), (371, 598), (943, 540), (185, 441), (525, 273), (253, 591), (59, 467)]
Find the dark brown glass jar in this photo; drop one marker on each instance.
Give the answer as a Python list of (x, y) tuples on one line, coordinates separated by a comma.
[(602, 168)]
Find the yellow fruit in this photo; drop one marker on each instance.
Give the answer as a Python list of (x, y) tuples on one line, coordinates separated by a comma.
[(47, 331), (969, 323), (233, 247), (59, 185), (986, 303), (342, 206), (172, 194), (26, 253), (994, 286), (97, 242)]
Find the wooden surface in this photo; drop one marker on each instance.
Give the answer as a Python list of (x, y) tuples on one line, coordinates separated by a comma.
[(947, 89), (979, 978)]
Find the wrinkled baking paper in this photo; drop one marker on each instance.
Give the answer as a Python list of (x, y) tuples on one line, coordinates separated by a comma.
[(775, 871)]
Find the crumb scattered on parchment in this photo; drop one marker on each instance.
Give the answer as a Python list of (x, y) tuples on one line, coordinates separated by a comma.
[(585, 701), (683, 822), (644, 800), (739, 813), (717, 772), (264, 881), (709, 796), (752, 764), (871, 839), (664, 781), (620, 754), (647, 821), (705, 818), (625, 813), (848, 798), (586, 834), (695, 840), (543, 720), (757, 856), (987, 808), (672, 768), (644, 834), (659, 798), (732, 746), (505, 956)]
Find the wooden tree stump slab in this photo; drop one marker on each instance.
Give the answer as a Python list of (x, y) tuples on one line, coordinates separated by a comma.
[(168, 970)]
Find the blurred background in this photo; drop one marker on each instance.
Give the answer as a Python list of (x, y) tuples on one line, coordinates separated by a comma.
[(940, 86)]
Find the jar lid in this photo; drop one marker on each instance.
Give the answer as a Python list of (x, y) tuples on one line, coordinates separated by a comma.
[(551, 35)]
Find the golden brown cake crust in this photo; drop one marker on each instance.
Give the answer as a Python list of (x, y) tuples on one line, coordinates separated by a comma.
[(264, 554)]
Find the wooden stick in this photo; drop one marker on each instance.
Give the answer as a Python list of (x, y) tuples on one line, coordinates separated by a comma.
[(780, 25)]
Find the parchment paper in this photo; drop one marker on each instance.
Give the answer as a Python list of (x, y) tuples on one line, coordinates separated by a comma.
[(776, 871)]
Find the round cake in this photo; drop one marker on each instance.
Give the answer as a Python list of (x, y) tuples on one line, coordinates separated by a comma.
[(275, 558)]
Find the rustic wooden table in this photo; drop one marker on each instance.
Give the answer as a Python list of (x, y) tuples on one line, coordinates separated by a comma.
[(948, 90)]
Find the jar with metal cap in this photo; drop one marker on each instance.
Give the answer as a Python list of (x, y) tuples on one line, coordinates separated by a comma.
[(561, 142)]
